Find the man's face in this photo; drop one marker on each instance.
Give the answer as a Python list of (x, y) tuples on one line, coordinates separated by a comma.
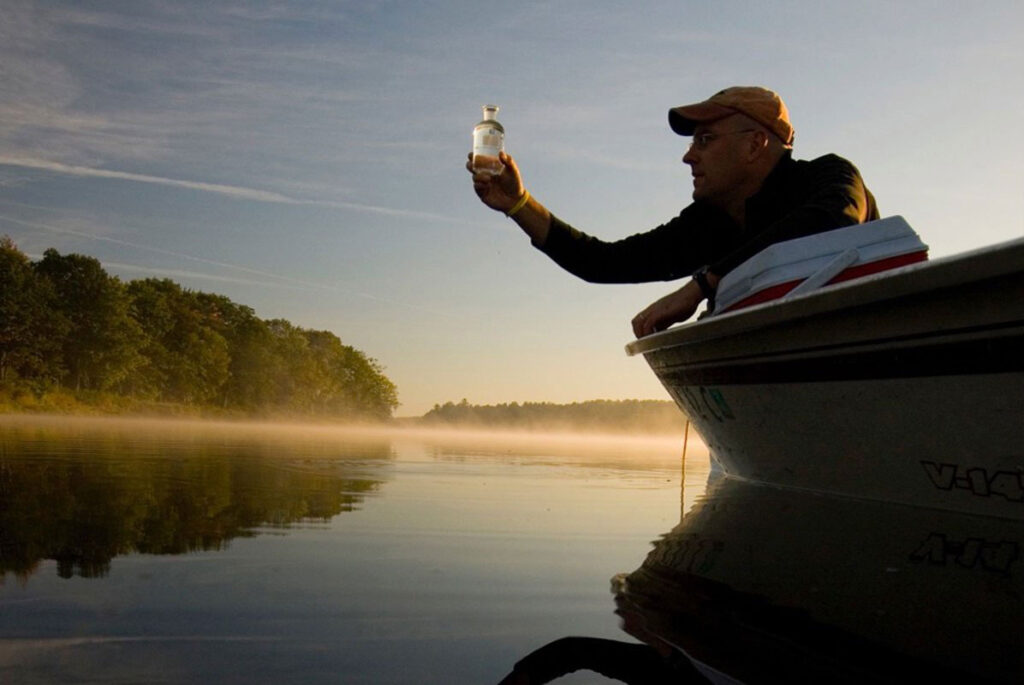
[(717, 159)]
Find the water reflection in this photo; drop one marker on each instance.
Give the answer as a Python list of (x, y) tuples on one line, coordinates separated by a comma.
[(652, 661), (84, 494), (452, 532), (771, 585), (764, 585)]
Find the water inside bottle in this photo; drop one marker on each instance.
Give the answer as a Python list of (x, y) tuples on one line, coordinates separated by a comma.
[(488, 142)]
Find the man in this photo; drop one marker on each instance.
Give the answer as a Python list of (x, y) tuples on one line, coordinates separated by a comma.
[(748, 193)]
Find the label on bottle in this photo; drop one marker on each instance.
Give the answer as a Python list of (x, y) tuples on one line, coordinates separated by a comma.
[(487, 141)]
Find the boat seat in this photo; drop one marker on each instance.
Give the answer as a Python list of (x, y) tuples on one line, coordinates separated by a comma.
[(797, 266)]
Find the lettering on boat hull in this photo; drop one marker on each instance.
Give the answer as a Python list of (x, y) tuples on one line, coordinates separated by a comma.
[(1005, 484), (708, 403)]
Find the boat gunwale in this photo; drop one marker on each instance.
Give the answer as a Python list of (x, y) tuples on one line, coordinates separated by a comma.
[(969, 267)]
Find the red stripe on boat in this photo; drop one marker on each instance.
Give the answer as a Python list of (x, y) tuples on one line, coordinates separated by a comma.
[(777, 291)]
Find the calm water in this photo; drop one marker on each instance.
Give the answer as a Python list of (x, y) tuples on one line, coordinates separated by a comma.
[(195, 553), (185, 553)]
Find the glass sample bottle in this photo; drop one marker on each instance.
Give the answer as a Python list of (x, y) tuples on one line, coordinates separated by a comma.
[(488, 141)]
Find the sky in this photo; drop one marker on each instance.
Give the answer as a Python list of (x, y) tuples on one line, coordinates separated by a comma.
[(306, 158)]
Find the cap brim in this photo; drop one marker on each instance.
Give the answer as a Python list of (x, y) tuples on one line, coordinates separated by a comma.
[(686, 118)]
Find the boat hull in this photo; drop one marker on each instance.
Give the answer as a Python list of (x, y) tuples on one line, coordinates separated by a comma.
[(903, 387)]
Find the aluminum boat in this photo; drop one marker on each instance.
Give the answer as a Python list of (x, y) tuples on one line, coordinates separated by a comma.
[(903, 386)]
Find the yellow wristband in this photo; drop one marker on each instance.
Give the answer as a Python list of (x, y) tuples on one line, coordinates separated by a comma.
[(520, 204)]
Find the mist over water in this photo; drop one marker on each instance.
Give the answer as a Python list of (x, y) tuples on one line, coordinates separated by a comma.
[(186, 552)]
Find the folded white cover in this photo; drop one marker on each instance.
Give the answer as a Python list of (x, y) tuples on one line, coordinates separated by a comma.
[(800, 258)]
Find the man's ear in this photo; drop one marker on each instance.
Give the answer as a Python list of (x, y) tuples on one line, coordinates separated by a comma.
[(758, 145)]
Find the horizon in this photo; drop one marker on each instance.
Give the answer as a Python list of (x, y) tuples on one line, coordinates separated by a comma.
[(307, 161)]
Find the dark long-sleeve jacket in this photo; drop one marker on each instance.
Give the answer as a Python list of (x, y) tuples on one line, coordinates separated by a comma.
[(798, 198)]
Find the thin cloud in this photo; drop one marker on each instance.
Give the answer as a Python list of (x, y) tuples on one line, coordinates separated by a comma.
[(232, 191), (211, 83), (237, 192)]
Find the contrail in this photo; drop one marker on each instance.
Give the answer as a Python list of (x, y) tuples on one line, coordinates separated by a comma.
[(233, 191), (238, 192)]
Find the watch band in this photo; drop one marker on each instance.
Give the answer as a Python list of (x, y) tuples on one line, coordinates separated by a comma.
[(700, 276)]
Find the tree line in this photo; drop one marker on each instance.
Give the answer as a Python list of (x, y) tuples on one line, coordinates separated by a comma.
[(655, 416), (67, 324)]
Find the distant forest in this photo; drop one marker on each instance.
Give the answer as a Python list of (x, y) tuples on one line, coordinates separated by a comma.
[(652, 416), (71, 335)]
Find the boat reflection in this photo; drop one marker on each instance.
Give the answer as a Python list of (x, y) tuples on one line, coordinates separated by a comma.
[(773, 585), (760, 584), (85, 501)]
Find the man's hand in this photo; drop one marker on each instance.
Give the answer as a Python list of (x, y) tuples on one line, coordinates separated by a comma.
[(674, 307), (499, 192)]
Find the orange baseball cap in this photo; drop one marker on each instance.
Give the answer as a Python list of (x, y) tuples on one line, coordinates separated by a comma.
[(760, 104)]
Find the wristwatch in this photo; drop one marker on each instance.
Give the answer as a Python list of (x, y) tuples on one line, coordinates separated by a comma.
[(700, 277)]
